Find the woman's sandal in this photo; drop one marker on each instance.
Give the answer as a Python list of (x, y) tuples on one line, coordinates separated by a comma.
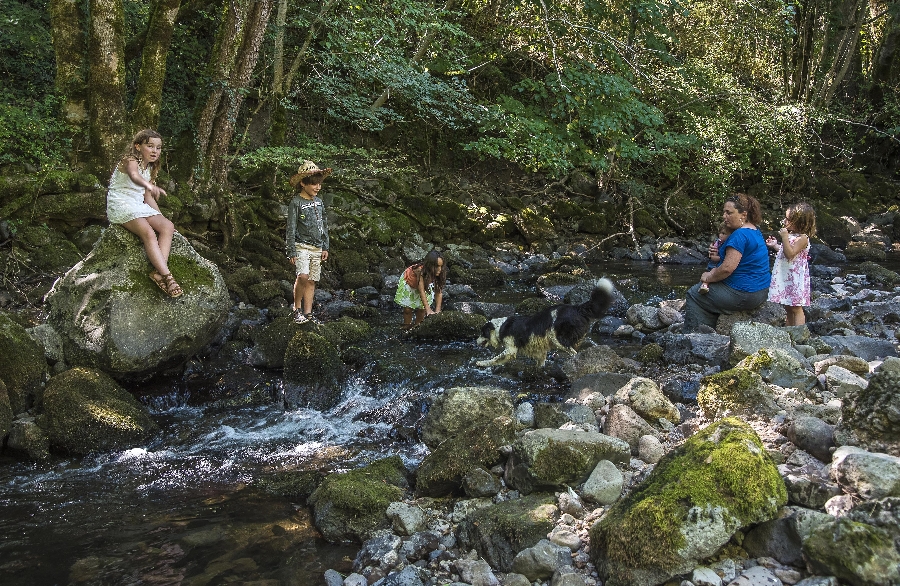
[(167, 284)]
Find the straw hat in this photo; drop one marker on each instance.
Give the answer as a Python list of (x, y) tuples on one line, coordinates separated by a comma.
[(305, 170)]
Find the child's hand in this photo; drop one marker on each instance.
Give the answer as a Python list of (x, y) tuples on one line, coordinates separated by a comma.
[(783, 233), (772, 242)]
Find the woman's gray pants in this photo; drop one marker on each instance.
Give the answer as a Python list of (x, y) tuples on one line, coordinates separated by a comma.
[(721, 299)]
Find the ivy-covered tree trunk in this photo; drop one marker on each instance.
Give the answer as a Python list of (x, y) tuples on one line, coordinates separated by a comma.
[(70, 50), (887, 54), (145, 109), (106, 82), (849, 22)]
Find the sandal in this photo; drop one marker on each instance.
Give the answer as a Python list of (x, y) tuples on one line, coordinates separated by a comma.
[(167, 284)]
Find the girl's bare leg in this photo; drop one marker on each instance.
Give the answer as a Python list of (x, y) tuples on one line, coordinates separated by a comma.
[(165, 231), (142, 228), (420, 316), (795, 316)]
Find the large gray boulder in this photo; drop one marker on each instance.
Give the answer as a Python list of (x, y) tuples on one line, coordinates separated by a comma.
[(460, 408), (111, 316)]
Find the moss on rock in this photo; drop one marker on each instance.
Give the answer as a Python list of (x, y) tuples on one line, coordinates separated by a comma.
[(353, 505), (442, 471), (878, 274), (856, 553), (723, 468), (23, 367), (651, 353), (6, 413), (349, 330), (293, 484), (869, 416), (735, 391), (86, 411), (450, 325)]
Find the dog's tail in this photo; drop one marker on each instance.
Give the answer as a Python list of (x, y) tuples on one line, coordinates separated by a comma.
[(601, 298)]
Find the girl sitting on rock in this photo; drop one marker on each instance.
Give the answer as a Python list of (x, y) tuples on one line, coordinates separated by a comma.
[(132, 201)]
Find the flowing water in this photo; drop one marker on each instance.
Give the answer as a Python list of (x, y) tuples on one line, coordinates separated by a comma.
[(189, 508)]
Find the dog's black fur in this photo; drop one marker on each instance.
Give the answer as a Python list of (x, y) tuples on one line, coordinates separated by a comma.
[(560, 327)]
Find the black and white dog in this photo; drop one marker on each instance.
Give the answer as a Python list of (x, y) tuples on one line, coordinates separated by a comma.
[(560, 327)]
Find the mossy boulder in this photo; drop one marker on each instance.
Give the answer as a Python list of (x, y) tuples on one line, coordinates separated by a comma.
[(499, 531), (111, 316), (856, 553), (358, 280), (738, 391), (592, 223), (442, 471), (296, 485), (72, 207), (449, 325), (481, 278), (554, 458), (86, 411), (690, 505), (865, 251), (312, 368), (6, 412), (534, 225), (23, 367), (778, 367), (876, 273), (48, 249), (650, 354), (869, 416), (352, 506), (348, 330), (242, 279), (266, 292), (460, 408), (271, 341), (561, 279)]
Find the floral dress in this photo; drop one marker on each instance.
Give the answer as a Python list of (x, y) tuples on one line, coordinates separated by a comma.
[(790, 278), (408, 293)]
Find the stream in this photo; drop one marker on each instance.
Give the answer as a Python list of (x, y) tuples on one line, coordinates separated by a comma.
[(189, 508)]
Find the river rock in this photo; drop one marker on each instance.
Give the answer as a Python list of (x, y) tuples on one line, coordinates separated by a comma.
[(623, 423), (111, 316), (552, 458), (605, 483), (869, 475), (602, 383), (718, 481), (748, 338), (812, 435), (594, 360), (541, 560), (449, 325), (650, 449), (352, 506), (841, 382), (856, 553), (459, 408), (312, 368), (863, 346), (871, 416), (781, 368), (498, 532), (558, 414), (854, 364), (25, 436), (644, 317), (756, 576), (710, 349), (647, 400), (782, 538), (23, 368), (479, 482), (405, 519), (736, 391), (443, 470), (86, 411), (6, 413)]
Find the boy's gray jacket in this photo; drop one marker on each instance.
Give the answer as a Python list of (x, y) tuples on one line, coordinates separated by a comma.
[(306, 224)]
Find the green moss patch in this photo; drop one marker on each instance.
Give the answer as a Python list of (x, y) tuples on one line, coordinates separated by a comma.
[(22, 364)]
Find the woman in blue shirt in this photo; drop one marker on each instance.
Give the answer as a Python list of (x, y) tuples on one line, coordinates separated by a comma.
[(741, 281)]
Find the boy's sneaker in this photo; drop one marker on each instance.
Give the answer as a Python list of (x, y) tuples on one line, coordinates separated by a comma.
[(300, 317)]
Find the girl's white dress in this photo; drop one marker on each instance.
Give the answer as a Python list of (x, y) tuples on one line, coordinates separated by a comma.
[(125, 198), (790, 278)]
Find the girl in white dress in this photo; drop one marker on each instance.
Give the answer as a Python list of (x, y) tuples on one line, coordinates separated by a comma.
[(790, 275), (132, 200)]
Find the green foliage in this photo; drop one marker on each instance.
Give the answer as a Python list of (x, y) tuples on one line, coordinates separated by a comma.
[(33, 135), (26, 51)]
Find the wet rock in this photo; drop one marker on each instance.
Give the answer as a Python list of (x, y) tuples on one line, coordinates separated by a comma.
[(86, 411), (841, 382), (645, 397), (623, 423), (498, 532), (812, 435), (25, 436), (712, 485), (270, 341), (781, 368), (696, 349), (604, 484), (594, 360), (862, 346), (854, 552), (866, 474), (736, 391), (405, 519), (312, 366), (449, 325), (23, 368), (478, 482), (748, 338), (111, 316), (459, 408), (351, 506), (541, 560), (554, 458), (489, 310)]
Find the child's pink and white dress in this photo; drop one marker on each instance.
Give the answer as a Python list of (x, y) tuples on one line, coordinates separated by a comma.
[(790, 278)]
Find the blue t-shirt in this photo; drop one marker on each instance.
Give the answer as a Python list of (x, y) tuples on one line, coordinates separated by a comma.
[(752, 273)]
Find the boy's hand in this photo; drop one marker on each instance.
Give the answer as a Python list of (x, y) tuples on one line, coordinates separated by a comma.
[(293, 260), (324, 255)]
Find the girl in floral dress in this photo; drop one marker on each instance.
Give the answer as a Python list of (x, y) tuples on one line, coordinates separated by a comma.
[(421, 285), (790, 275)]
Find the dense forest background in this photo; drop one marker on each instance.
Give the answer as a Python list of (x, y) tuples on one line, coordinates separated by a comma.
[(661, 100)]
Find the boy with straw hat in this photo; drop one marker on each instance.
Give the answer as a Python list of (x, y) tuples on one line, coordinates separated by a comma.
[(306, 240)]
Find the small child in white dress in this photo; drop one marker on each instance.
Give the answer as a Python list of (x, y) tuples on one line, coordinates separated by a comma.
[(132, 201), (790, 275)]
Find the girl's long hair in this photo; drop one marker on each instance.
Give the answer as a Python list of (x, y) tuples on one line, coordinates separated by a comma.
[(803, 218), (431, 272), (142, 137)]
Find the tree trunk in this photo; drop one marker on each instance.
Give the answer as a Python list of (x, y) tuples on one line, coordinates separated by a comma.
[(70, 48), (887, 55), (145, 110), (106, 82), (850, 15)]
